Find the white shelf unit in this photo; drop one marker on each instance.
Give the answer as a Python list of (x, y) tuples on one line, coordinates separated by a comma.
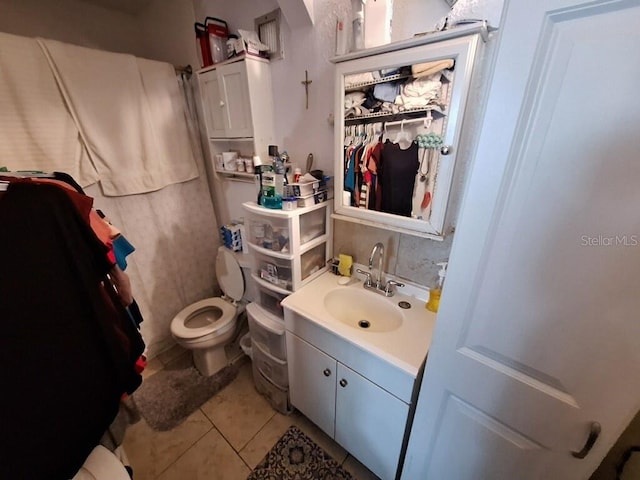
[(237, 114), (290, 247)]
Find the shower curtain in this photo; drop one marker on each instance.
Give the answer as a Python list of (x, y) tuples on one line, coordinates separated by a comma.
[(173, 229), (175, 234)]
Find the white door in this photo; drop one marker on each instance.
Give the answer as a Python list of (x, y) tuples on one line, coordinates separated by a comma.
[(538, 334)]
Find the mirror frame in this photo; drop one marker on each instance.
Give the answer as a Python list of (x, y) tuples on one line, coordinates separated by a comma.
[(462, 46)]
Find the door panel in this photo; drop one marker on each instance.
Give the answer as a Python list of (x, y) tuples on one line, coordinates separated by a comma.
[(213, 111), (237, 108), (312, 382), (537, 333), (468, 431)]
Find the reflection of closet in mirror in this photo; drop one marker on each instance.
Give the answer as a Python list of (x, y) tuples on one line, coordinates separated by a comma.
[(401, 111), (394, 171)]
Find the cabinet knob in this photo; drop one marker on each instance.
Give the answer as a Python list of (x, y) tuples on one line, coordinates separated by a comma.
[(446, 149), (221, 104), (343, 383), (326, 372)]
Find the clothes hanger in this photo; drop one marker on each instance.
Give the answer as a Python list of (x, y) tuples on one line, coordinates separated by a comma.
[(403, 139)]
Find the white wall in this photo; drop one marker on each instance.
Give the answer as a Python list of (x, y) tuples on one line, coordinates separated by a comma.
[(301, 131), (167, 28), (72, 22)]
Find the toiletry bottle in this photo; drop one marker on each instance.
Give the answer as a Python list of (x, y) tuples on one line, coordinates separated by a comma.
[(269, 198), (436, 289), (273, 181), (297, 173), (279, 169), (357, 25)]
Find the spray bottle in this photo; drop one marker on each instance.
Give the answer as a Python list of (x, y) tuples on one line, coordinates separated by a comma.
[(435, 289)]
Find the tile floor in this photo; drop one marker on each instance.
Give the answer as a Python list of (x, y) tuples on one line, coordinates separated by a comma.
[(224, 439)]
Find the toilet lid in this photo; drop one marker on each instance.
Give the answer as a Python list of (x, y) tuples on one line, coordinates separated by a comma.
[(229, 274)]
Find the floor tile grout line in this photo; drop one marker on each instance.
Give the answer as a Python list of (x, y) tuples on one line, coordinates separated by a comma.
[(188, 449)]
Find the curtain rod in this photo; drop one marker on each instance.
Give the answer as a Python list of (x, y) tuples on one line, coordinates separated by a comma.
[(184, 69)]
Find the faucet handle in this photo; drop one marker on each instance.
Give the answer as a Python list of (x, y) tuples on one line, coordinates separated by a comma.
[(387, 289), (368, 282)]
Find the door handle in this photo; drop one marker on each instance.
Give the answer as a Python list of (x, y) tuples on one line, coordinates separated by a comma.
[(594, 433)]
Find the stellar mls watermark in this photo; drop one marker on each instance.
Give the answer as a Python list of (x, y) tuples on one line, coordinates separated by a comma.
[(610, 240)]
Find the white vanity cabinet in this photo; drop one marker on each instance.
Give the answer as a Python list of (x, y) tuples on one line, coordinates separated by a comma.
[(289, 247), (365, 419), (237, 108)]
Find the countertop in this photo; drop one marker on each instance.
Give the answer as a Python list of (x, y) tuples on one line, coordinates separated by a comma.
[(405, 348)]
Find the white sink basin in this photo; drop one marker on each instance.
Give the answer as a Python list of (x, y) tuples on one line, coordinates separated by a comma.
[(365, 311)]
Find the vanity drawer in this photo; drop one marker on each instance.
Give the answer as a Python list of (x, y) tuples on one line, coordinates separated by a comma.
[(278, 397), (271, 367), (267, 330)]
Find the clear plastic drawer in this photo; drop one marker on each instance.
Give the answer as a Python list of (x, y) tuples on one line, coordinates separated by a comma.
[(267, 330)]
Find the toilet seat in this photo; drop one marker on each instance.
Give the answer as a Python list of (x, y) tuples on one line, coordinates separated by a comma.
[(179, 326)]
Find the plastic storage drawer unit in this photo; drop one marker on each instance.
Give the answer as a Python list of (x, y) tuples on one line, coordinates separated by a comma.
[(267, 330), (271, 367), (278, 397)]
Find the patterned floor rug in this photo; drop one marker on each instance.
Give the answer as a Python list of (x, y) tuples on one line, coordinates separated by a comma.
[(296, 457)]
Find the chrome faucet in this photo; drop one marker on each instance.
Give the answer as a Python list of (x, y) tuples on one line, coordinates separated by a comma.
[(377, 284), (378, 247)]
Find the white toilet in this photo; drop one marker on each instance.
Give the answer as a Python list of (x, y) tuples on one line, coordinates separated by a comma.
[(208, 325)]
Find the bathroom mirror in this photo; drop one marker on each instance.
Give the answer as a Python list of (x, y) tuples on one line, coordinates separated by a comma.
[(399, 110)]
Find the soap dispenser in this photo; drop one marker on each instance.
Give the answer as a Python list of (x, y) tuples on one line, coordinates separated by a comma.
[(435, 289)]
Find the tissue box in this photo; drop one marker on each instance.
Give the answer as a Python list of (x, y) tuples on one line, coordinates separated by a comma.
[(313, 199), (231, 235)]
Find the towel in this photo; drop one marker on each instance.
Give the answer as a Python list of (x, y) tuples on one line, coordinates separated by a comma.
[(429, 68), (36, 130), (125, 131)]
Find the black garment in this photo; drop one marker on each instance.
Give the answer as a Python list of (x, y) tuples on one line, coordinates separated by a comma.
[(65, 177), (67, 349), (397, 175)]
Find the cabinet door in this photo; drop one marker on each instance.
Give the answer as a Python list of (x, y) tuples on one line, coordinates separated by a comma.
[(312, 382), (212, 104), (236, 107), (370, 422)]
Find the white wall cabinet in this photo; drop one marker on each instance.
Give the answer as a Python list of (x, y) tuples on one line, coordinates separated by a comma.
[(228, 108), (237, 109), (365, 419)]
